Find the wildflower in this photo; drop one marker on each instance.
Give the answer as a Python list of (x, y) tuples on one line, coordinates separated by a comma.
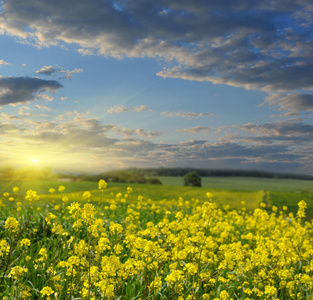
[(6, 194), (15, 189), (47, 291), (86, 195), (25, 242), (17, 272), (88, 213), (31, 196), (102, 185), (301, 212), (224, 295), (61, 188), (156, 284), (270, 290), (43, 253), (51, 190), (209, 195), (4, 248), (11, 224), (65, 199)]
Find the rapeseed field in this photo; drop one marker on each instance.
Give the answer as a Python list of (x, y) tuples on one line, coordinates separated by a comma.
[(132, 247)]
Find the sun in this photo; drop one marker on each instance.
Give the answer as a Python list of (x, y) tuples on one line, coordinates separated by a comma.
[(35, 161)]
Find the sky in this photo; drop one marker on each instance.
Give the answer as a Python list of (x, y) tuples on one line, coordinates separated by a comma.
[(99, 85)]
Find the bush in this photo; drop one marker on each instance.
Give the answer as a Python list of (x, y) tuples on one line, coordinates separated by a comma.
[(192, 179), (154, 181)]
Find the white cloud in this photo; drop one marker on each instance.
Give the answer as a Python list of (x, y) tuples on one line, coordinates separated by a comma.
[(49, 70), (2, 62), (149, 134), (46, 70), (187, 115), (44, 107), (122, 108), (196, 129)]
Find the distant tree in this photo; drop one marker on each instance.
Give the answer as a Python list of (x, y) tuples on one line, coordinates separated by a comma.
[(192, 179), (154, 181)]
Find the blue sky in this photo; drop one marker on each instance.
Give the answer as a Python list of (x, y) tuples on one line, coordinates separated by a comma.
[(96, 85)]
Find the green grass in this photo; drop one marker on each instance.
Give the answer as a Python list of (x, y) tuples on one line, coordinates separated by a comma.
[(247, 183), (226, 190)]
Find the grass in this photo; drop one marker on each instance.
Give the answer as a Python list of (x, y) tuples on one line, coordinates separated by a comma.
[(226, 190), (247, 183)]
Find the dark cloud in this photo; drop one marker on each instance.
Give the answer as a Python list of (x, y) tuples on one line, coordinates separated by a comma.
[(282, 132), (264, 45), (291, 102), (23, 89)]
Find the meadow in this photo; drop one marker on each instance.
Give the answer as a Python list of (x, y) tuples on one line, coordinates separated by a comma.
[(89, 240)]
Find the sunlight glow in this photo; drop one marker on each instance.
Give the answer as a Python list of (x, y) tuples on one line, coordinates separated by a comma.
[(35, 161)]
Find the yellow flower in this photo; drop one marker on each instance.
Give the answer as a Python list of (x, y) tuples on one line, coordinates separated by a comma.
[(4, 248), (15, 189), (11, 224), (25, 242), (301, 212), (51, 190), (31, 196), (17, 272), (61, 188), (270, 290), (209, 195), (224, 295), (102, 184), (47, 291), (86, 195)]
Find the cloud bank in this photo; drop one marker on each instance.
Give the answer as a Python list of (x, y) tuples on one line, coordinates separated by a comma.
[(265, 45), (22, 89)]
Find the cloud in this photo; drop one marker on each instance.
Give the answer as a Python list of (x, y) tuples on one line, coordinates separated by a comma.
[(8, 128), (49, 70), (122, 108), (196, 129), (44, 107), (2, 62), (22, 89), (291, 102), (148, 133), (46, 70), (256, 45), (281, 145), (291, 133), (187, 115)]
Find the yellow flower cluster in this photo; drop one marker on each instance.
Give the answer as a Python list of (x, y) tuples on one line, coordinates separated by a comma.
[(127, 248)]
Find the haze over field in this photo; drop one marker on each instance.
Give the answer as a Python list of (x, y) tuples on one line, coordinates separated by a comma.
[(95, 85)]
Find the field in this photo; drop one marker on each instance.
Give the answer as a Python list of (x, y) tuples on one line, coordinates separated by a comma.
[(91, 241)]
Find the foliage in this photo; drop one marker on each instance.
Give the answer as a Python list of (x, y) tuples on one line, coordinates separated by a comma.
[(127, 247), (192, 179), (180, 172)]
